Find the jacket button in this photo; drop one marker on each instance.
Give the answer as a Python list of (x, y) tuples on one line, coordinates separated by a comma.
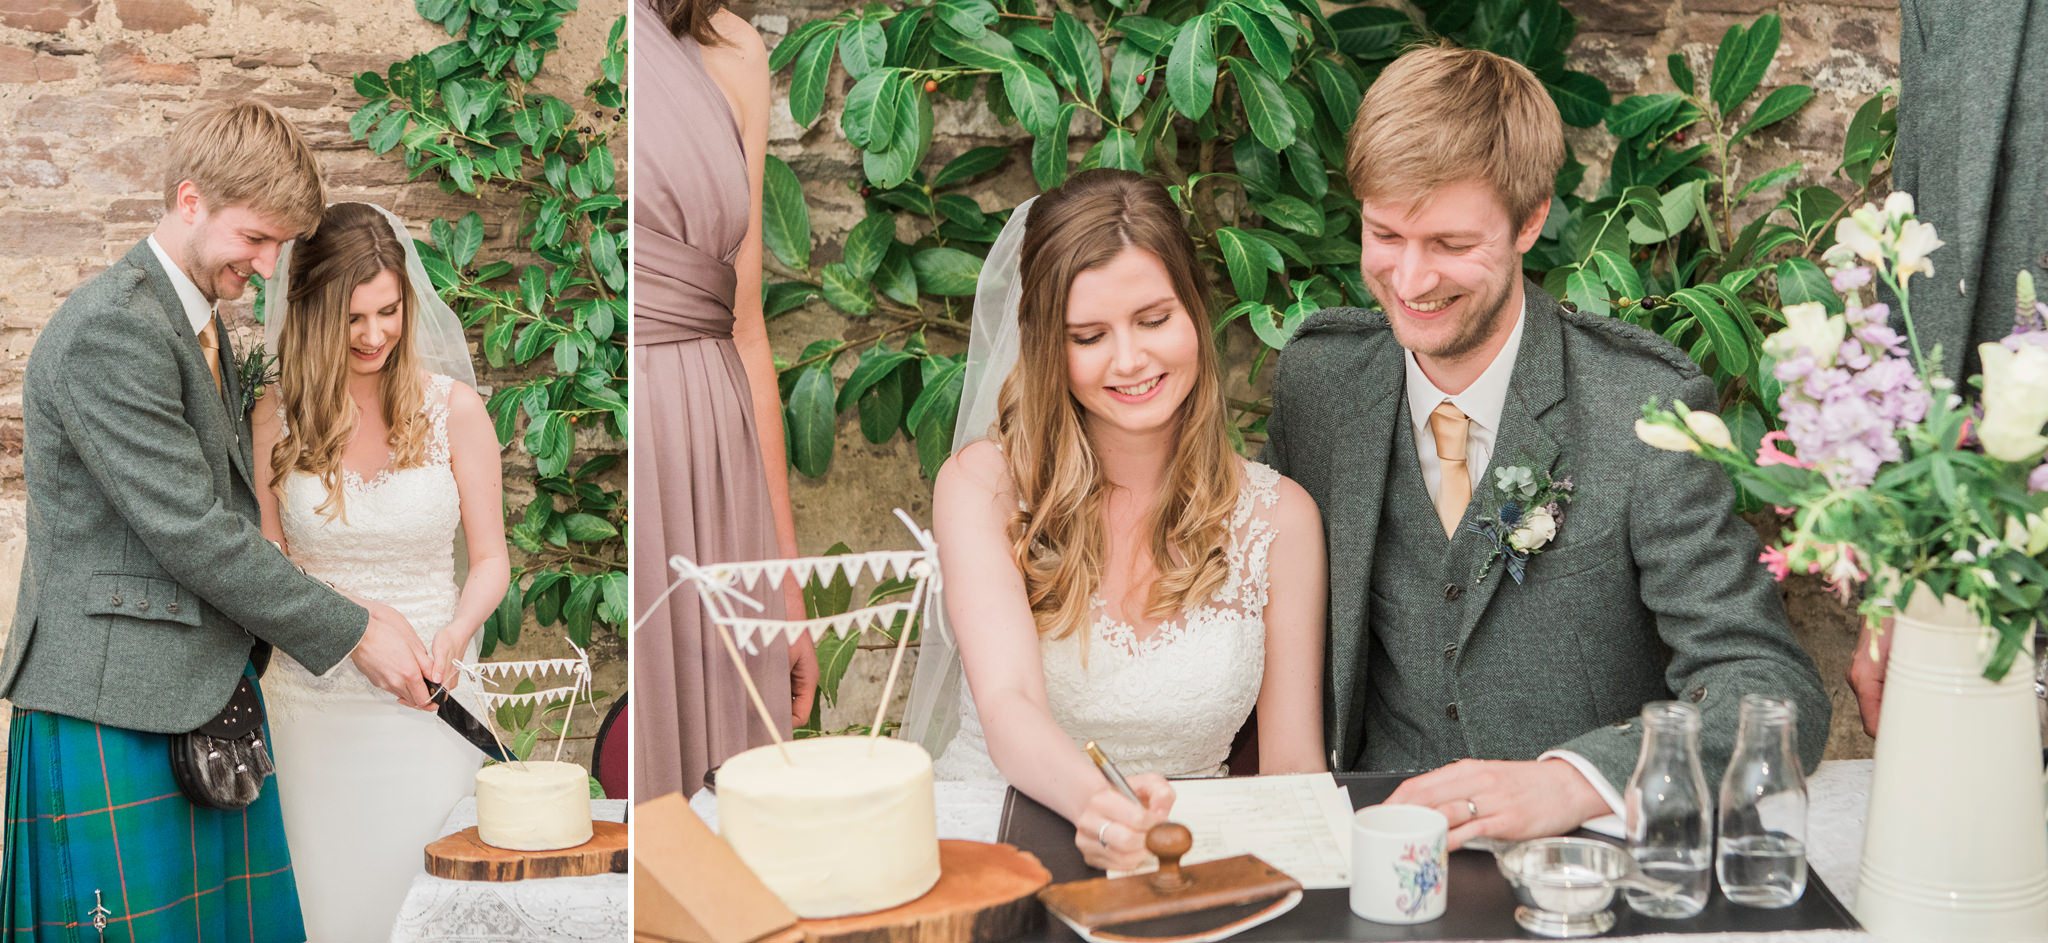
[(1451, 711), (1452, 591), (173, 607), (1696, 694), (114, 601), (144, 606), (1450, 651)]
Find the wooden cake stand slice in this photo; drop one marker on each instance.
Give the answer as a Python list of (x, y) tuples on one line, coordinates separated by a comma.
[(985, 892), (464, 857)]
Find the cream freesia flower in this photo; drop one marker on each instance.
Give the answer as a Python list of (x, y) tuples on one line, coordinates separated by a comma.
[(1536, 529), (1859, 232), (1658, 435), (1916, 243), (1710, 429), (2015, 401), (2028, 536), (1809, 326), (1898, 206)]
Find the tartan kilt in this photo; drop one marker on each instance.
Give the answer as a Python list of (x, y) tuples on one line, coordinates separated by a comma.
[(92, 808)]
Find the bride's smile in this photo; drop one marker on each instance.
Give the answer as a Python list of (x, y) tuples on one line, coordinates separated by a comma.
[(376, 320)]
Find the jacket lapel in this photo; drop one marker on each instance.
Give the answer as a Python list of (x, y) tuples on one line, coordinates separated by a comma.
[(1536, 385), (1355, 489), (207, 398), (231, 400)]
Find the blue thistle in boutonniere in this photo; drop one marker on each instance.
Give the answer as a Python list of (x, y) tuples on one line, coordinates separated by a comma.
[(255, 369), (1530, 512)]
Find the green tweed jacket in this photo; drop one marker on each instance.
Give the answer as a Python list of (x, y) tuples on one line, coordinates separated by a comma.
[(148, 581), (1651, 589)]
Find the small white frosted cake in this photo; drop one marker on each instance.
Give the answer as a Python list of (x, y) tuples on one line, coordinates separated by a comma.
[(537, 805), (846, 830)]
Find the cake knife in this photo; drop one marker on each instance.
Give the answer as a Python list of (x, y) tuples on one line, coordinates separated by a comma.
[(457, 716)]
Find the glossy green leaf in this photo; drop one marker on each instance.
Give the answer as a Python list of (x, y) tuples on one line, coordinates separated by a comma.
[(1305, 164), (1770, 180), (862, 47), (1636, 114), (1032, 95), (1742, 60), (807, 83), (810, 417), (1370, 32), (1582, 99), (867, 242), (1619, 276), (845, 290), (1584, 290), (786, 51), (966, 16), (1248, 259), (1718, 327), (876, 363), (971, 164), (1801, 281), (1268, 47), (868, 118), (1118, 149), (881, 408), (589, 527), (1274, 326), (896, 280), (1125, 91), (1149, 34), (982, 50), (932, 416), (1339, 90), (782, 297), (946, 271), (1776, 107), (785, 220), (1191, 68), (1049, 151), (1078, 54), (1257, 165), (1265, 107), (1292, 213)]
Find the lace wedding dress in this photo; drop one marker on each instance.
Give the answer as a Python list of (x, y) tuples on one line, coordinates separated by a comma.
[(1172, 702), (364, 781)]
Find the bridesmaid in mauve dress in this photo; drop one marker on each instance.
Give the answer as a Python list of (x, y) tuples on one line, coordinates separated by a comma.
[(708, 462)]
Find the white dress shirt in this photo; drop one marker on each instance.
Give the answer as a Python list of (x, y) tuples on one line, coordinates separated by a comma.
[(1482, 403), (197, 309)]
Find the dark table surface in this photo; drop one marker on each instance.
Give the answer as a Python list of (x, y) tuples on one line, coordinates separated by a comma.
[(1481, 905)]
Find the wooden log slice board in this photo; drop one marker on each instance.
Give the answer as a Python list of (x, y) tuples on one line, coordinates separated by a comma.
[(986, 893), (464, 857)]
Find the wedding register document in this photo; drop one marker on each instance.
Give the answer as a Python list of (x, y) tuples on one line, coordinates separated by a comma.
[(1298, 823)]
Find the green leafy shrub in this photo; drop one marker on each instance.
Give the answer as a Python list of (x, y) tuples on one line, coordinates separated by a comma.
[(464, 115)]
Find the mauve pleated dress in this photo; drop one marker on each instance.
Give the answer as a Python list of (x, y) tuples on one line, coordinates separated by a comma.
[(699, 489)]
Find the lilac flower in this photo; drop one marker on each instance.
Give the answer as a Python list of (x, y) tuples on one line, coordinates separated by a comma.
[(2038, 481), (1850, 279)]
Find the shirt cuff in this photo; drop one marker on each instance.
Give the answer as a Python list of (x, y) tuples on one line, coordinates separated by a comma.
[(1615, 823)]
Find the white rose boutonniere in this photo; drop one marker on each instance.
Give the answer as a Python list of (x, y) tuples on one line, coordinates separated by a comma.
[(1530, 512)]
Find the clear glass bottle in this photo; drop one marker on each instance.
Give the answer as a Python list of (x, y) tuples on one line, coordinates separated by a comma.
[(1762, 841), (1670, 815)]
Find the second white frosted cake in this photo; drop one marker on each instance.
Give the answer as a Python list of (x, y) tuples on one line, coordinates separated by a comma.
[(849, 828)]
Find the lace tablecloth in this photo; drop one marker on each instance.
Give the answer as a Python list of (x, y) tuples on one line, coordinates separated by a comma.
[(1839, 793), (553, 910)]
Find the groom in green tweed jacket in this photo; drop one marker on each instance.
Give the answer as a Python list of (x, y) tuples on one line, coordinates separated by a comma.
[(148, 589), (1521, 698)]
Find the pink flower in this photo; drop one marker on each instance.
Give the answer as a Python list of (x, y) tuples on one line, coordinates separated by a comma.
[(1773, 559), (2038, 481), (1842, 572), (1768, 454), (1851, 278)]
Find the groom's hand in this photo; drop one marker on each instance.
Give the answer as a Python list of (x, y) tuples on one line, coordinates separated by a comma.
[(391, 656), (1515, 800)]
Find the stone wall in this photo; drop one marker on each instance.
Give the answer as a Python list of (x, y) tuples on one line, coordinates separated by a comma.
[(89, 92), (1846, 49)]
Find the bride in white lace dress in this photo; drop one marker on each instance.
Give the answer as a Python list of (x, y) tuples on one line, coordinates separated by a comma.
[(1114, 571), (369, 459)]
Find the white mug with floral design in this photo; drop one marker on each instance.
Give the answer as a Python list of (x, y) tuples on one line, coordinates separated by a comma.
[(1399, 863)]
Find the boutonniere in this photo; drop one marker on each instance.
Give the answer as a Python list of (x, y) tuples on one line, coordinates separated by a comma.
[(1530, 512), (254, 369)]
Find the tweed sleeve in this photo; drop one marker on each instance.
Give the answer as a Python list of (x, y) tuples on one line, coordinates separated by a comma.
[(128, 426), (1716, 609)]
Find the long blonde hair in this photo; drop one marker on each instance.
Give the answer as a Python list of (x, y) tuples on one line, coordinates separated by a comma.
[(353, 245), (1059, 537)]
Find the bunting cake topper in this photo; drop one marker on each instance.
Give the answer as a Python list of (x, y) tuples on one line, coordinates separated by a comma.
[(724, 589), (490, 675)]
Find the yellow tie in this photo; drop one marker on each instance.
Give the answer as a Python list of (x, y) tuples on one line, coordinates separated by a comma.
[(209, 341), (1449, 425)]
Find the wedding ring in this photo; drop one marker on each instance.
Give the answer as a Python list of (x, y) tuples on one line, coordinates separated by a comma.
[(1473, 808), (1102, 834)]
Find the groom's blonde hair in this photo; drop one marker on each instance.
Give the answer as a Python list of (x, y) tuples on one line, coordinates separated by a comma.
[(1440, 114), (247, 154)]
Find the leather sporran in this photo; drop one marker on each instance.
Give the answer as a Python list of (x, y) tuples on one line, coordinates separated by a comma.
[(222, 764)]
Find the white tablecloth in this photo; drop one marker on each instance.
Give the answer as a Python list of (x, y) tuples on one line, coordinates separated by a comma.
[(1839, 792), (553, 910)]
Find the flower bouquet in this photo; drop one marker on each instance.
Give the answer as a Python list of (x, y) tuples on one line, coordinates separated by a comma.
[(1893, 482), (1890, 478)]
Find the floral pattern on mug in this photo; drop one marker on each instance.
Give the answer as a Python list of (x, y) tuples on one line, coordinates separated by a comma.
[(1419, 873)]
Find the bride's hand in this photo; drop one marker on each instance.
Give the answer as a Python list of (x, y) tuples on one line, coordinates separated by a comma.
[(443, 654), (1111, 830)]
